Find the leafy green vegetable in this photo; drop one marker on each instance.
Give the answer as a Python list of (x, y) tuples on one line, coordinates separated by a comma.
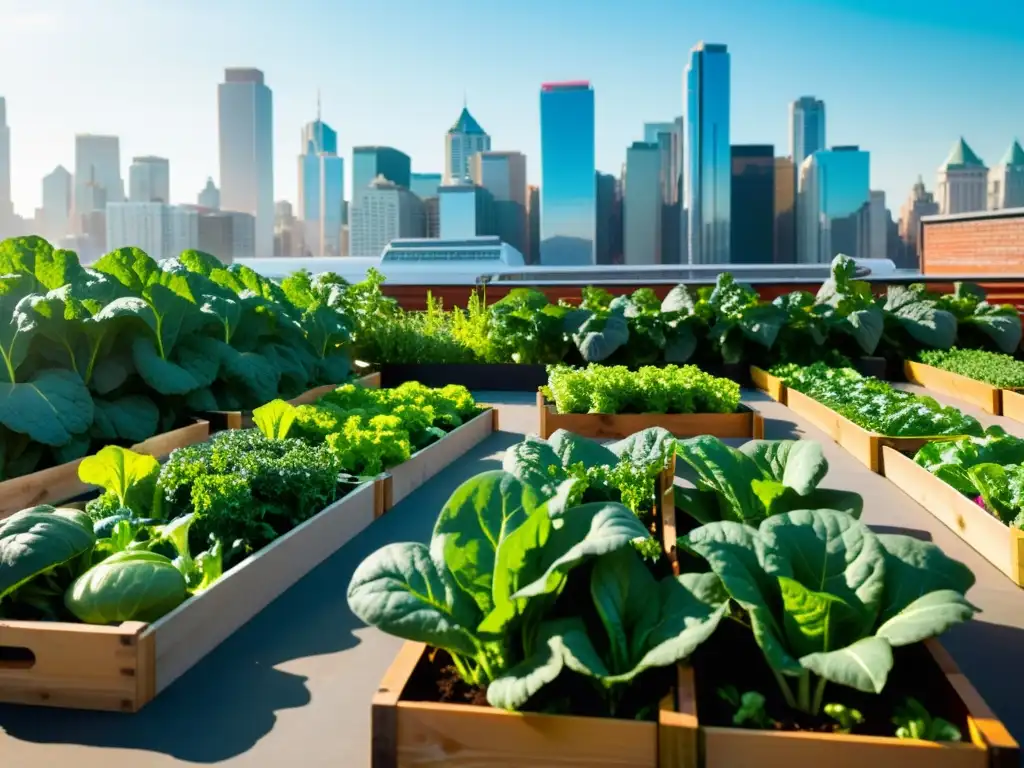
[(851, 307), (977, 320), (828, 599), (128, 479), (913, 721), (274, 419), (847, 717), (34, 541), (992, 368), (749, 707), (127, 586)]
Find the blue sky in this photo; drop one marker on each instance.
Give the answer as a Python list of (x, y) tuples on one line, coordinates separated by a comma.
[(902, 78)]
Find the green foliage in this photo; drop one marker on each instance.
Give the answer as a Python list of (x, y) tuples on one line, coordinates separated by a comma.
[(913, 721), (979, 321), (750, 711), (828, 599), (616, 389), (875, 405), (847, 717), (993, 368)]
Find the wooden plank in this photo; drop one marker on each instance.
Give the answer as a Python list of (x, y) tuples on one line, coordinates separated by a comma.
[(772, 386), (384, 708), (60, 483), (619, 425), (1013, 404), (978, 393), (989, 537), (370, 380), (74, 665), (678, 727), (427, 462), (199, 625)]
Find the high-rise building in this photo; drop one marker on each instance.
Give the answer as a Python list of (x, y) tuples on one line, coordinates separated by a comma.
[(568, 200), (784, 251), (920, 202), (6, 205), (209, 196), (56, 211), (424, 185), (149, 180), (533, 217), (381, 213), (832, 205), (163, 231), (97, 165), (642, 206), (466, 210), (463, 140), (669, 138), (709, 158), (321, 189), (503, 175), (878, 225), (608, 242), (752, 240), (369, 163), (806, 128), (246, 125), (431, 216), (962, 182), (1006, 180)]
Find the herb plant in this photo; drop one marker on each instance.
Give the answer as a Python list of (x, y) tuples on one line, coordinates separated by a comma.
[(993, 368), (913, 721)]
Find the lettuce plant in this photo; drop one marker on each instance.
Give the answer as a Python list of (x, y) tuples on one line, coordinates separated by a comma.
[(978, 321), (851, 310), (487, 589), (741, 318), (760, 479), (827, 599)]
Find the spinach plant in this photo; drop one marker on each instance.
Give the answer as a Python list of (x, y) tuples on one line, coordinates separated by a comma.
[(980, 323)]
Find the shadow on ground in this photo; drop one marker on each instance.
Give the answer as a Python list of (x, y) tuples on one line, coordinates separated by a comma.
[(225, 704)]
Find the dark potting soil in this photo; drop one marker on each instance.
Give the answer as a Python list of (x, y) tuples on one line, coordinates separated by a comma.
[(732, 657), (436, 679)]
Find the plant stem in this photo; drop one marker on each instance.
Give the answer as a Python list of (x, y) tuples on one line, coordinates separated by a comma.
[(463, 670), (803, 696), (819, 694), (787, 693)]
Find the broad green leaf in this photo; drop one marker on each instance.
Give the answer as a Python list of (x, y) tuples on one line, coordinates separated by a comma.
[(35, 540), (928, 616), (828, 498), (401, 590), (514, 688), (275, 419), (128, 475), (599, 337), (863, 666), (816, 622), (1000, 323), (130, 417), (866, 326), (190, 368), (678, 300), (477, 518), (717, 467), (128, 586), (51, 408), (532, 461), (798, 464), (775, 498), (653, 445), (572, 449), (762, 323), (35, 258), (913, 568), (1000, 488)]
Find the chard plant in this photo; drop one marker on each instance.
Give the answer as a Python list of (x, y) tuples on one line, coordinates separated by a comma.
[(827, 599)]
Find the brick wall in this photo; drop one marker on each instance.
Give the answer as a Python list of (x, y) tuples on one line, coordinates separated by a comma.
[(976, 244)]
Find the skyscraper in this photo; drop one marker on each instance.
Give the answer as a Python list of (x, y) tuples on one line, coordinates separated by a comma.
[(568, 198), (962, 181), (56, 203), (209, 196), (466, 210), (149, 180), (163, 231), (920, 202), (382, 212), (642, 206), (370, 162), (97, 165), (833, 205), (533, 219), (878, 225), (6, 206), (784, 251), (709, 159), (503, 175), (609, 219), (321, 189), (424, 185), (752, 240), (806, 129), (1006, 180), (246, 123), (463, 140)]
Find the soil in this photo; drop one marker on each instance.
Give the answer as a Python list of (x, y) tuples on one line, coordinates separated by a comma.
[(436, 679), (732, 657)]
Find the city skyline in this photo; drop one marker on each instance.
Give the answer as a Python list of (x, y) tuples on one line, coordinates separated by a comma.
[(48, 103)]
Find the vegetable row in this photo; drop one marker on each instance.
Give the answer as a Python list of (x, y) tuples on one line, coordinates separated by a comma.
[(129, 556), (543, 590)]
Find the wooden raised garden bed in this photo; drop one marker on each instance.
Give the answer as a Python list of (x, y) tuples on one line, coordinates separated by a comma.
[(772, 386), (61, 483), (402, 480), (220, 420), (1013, 404), (865, 446), (985, 396), (986, 743), (410, 733), (745, 423), (123, 667), (990, 537)]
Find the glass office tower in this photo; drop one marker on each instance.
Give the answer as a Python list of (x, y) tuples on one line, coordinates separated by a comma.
[(370, 162), (568, 193), (833, 205), (709, 157)]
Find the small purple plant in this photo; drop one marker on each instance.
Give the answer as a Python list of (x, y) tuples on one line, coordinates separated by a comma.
[(980, 502)]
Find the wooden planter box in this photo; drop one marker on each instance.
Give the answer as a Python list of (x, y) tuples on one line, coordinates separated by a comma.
[(61, 483), (121, 668), (416, 734), (864, 445), (987, 742), (746, 423), (772, 386), (990, 537), (985, 396), (402, 480), (1013, 404), (220, 420)]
